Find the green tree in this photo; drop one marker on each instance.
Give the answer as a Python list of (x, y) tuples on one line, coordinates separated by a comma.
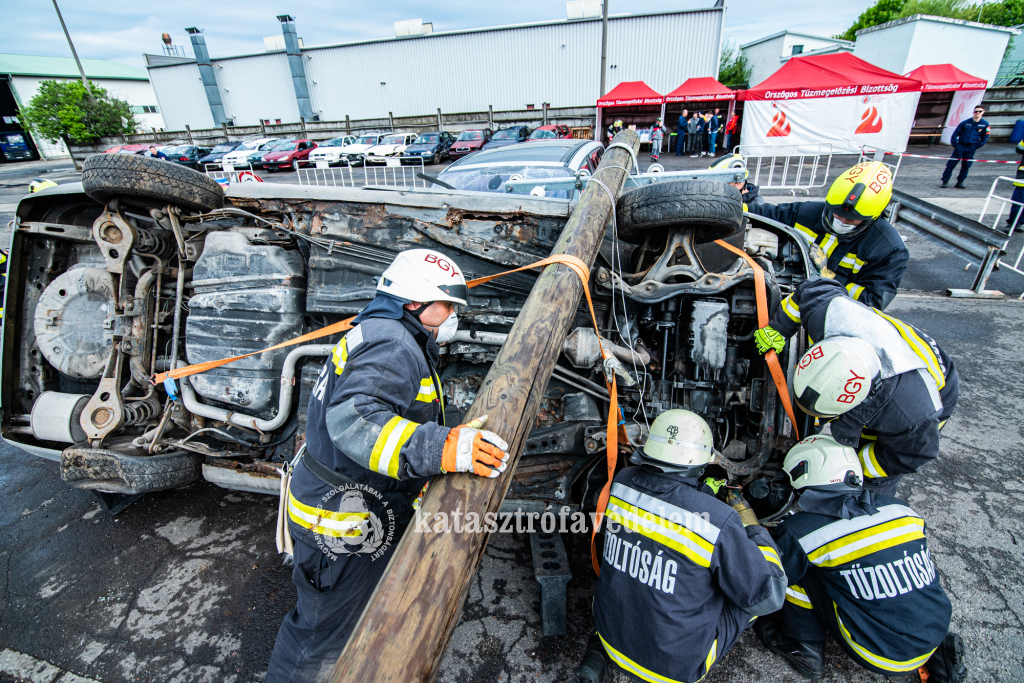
[(733, 68), (61, 110), (1002, 13), (879, 13)]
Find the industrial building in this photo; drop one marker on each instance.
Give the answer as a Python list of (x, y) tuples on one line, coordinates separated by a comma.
[(418, 72), (766, 55), (22, 74)]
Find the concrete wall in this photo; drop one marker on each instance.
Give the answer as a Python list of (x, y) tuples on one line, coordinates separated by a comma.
[(902, 46)]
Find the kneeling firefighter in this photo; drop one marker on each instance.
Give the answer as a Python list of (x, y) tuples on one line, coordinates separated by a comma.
[(683, 573), (861, 249), (375, 432), (858, 568), (886, 387)]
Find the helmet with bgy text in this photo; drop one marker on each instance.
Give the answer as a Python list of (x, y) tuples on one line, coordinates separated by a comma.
[(835, 375), (823, 463), (424, 275), (860, 193), (680, 441)]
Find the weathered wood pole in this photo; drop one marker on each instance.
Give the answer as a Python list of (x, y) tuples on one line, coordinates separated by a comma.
[(405, 629)]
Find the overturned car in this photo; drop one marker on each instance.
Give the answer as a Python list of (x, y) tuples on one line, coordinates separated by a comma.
[(147, 266)]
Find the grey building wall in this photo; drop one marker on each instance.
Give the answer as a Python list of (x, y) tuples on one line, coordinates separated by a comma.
[(506, 67)]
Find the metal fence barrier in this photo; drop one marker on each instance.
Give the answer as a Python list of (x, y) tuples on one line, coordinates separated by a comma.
[(1004, 204), (975, 243), (879, 154), (788, 167), (393, 173), (221, 171)]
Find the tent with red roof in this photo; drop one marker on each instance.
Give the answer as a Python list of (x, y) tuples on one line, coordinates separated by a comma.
[(834, 98), (630, 93), (639, 106), (948, 96), (700, 90)]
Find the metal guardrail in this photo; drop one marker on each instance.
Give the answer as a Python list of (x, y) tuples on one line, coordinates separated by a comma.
[(394, 173), (975, 243), (788, 167)]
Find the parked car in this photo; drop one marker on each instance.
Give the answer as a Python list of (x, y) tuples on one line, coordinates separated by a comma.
[(432, 147), (469, 141), (249, 149), (218, 152), (489, 169), (508, 136), (552, 132), (127, 149), (355, 152), (288, 154), (391, 146), (331, 150), (184, 155)]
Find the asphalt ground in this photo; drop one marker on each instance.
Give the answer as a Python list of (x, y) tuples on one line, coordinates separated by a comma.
[(185, 585)]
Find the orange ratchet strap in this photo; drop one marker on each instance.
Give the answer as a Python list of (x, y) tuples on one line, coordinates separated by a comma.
[(762, 321)]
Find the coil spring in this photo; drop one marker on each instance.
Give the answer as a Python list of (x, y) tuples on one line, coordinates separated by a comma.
[(140, 411), (155, 243)]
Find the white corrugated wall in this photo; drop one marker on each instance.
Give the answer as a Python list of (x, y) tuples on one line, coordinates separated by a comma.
[(180, 94), (506, 68)]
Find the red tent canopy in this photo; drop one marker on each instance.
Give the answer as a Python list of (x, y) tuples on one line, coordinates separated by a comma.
[(628, 93), (944, 77), (700, 90), (835, 75)]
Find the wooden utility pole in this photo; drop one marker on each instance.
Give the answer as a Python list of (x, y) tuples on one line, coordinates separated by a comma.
[(404, 631)]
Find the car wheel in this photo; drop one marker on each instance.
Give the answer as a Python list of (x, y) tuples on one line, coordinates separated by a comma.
[(437, 158), (149, 182), (714, 210), (295, 166)]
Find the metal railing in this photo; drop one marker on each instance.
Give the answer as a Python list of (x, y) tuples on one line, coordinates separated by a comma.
[(878, 154), (788, 167), (975, 243), (1005, 203), (394, 173)]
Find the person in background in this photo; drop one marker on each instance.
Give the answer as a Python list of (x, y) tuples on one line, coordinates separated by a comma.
[(657, 136), (155, 153), (970, 136), (713, 128), (730, 131), (702, 135), (614, 129), (681, 138), (1018, 190), (691, 135)]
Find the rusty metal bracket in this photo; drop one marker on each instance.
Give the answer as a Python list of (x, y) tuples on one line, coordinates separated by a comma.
[(104, 413)]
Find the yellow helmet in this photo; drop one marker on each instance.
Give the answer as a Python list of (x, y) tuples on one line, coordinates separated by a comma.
[(39, 184), (860, 193), (730, 160)]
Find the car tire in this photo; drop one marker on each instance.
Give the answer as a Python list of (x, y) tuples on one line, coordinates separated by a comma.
[(295, 166), (437, 159), (105, 470), (714, 210), (149, 182)]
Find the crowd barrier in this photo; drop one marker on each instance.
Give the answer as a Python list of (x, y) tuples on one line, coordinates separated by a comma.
[(1004, 204), (972, 241), (788, 167), (394, 173)]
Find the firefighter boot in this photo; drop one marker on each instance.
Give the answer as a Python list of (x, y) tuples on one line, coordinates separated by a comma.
[(807, 658), (948, 664), (595, 667)]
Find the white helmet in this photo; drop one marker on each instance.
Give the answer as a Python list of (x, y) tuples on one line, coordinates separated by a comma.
[(823, 462), (835, 375), (424, 275), (678, 441)]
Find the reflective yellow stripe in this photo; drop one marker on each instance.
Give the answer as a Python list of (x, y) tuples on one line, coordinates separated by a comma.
[(941, 424), (798, 596), (340, 355), (869, 462), (384, 457), (852, 262), (771, 555), (791, 309), (648, 675), (428, 391), (829, 244), (807, 231), (921, 348), (325, 522), (868, 437), (861, 543), (880, 662), (855, 290), (662, 531)]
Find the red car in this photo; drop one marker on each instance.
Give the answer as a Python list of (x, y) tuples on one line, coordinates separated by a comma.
[(288, 154), (469, 141), (552, 132)]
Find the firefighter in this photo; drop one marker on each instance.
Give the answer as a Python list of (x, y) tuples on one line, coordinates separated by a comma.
[(683, 574), (886, 386), (858, 568), (749, 191), (970, 136), (1018, 190), (614, 129), (849, 235), (375, 432)]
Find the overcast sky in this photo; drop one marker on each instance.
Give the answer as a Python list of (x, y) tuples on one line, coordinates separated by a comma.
[(122, 30)]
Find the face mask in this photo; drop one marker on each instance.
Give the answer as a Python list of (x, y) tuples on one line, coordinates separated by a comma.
[(446, 330), (841, 228)]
